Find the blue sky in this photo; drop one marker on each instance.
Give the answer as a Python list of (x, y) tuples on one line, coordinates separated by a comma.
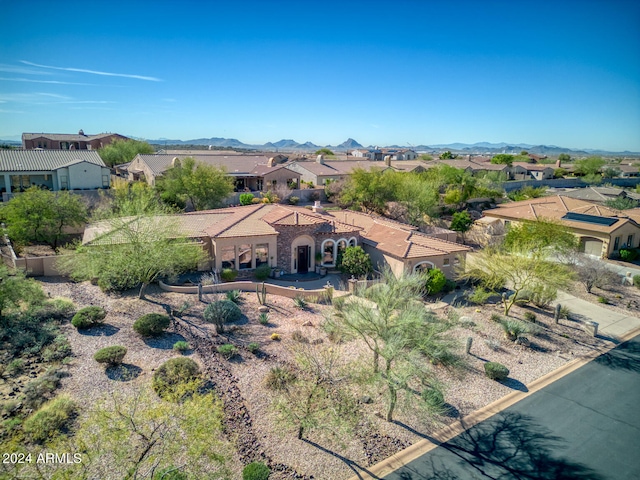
[(394, 72)]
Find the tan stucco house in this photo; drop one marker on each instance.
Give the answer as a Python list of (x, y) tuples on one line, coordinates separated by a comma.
[(68, 141), (602, 231)]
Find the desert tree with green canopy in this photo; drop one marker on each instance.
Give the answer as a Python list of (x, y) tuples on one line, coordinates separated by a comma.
[(123, 151), (393, 323), (39, 215), (204, 186)]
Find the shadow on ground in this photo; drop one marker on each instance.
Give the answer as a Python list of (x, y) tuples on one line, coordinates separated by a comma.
[(165, 341), (124, 372), (104, 330)]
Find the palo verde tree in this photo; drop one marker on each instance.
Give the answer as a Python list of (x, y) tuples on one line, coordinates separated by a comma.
[(502, 158), (204, 186), (123, 151), (393, 323), (461, 222), (540, 237), (133, 251), (38, 215)]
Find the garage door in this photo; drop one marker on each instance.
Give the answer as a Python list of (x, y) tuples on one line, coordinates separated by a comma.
[(591, 246)]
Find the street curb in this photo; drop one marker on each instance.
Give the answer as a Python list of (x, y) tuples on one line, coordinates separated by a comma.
[(421, 447)]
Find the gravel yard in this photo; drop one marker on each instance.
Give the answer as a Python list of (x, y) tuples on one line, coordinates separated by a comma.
[(251, 421)]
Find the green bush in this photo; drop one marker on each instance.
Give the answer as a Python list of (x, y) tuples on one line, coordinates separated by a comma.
[(181, 346), (300, 303), (170, 473), (530, 317), (151, 324), (50, 419), (246, 198), (636, 280), (496, 371), (112, 355), (15, 367), (173, 373), (57, 350), (628, 255), (479, 296), (263, 318), (88, 317), (293, 200), (235, 296), (228, 274), (513, 329), (435, 281), (59, 308), (433, 398), (256, 471), (40, 389), (221, 312), (227, 350), (262, 272), (603, 300), (297, 336), (253, 347), (355, 261)]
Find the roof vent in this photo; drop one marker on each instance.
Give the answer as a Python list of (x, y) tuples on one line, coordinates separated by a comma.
[(320, 159)]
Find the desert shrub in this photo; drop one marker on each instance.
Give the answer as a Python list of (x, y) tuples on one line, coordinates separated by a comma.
[(88, 317), (300, 303), (299, 337), (39, 390), (543, 296), (227, 350), (235, 296), (181, 346), (293, 200), (59, 307), (50, 419), (151, 324), (479, 296), (279, 378), (496, 318), (530, 317), (253, 347), (513, 329), (275, 337), (496, 371), (355, 261), (170, 473), (603, 300), (636, 280), (208, 279), (262, 272), (435, 281), (112, 355), (173, 373), (449, 286), (263, 318), (15, 366), (565, 312), (246, 198), (256, 471), (228, 274), (221, 312), (628, 255), (493, 343), (433, 397), (57, 350)]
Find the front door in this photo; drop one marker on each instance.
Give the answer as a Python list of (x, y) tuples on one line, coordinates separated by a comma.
[(303, 259)]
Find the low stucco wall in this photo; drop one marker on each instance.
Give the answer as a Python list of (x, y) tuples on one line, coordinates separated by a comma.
[(288, 292)]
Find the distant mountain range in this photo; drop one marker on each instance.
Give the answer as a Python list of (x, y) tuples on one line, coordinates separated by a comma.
[(289, 145)]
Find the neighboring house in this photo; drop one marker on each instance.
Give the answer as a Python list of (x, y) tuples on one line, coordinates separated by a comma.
[(291, 238), (475, 167), (374, 154), (602, 231), (628, 170), (251, 172), (324, 171), (68, 141), (524, 171), (601, 194), (52, 169)]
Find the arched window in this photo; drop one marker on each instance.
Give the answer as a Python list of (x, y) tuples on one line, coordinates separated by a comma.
[(423, 267), (353, 242), (328, 250)]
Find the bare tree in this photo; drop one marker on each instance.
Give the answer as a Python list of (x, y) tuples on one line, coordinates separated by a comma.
[(592, 272)]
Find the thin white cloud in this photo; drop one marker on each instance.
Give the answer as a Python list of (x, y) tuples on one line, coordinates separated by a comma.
[(52, 82), (93, 72), (21, 70)]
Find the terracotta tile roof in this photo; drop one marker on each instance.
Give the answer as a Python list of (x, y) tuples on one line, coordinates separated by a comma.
[(262, 170), (409, 244), (556, 207), (45, 160)]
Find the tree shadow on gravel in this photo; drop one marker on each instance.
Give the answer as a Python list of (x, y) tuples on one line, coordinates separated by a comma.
[(104, 330), (508, 445), (349, 463), (164, 341), (125, 372), (514, 384)]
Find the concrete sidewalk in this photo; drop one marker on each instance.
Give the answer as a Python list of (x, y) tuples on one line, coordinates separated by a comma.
[(610, 322)]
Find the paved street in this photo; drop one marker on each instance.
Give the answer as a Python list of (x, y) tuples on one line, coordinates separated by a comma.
[(585, 425)]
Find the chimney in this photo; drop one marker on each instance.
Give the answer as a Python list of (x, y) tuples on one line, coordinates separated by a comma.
[(271, 162), (81, 132), (320, 159), (316, 207), (387, 160), (558, 164), (175, 162), (295, 217)]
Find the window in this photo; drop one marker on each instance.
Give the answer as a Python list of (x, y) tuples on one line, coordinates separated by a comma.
[(262, 254), (446, 262), (353, 242), (630, 241), (616, 243), (228, 257), (244, 256), (328, 249), (423, 267)]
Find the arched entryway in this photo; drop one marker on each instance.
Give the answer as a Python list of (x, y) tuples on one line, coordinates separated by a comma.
[(302, 254)]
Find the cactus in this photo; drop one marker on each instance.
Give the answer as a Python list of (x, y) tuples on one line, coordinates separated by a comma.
[(262, 294)]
